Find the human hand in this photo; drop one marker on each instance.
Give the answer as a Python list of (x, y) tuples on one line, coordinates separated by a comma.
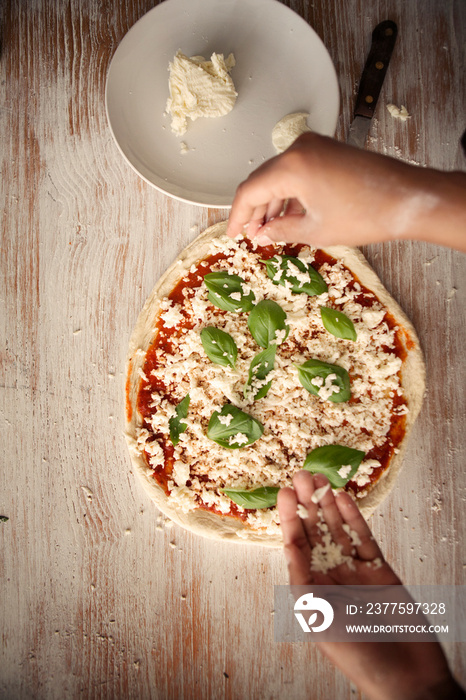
[(322, 192), (383, 670), (346, 528)]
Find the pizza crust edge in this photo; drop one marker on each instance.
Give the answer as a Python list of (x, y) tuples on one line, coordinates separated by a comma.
[(225, 528)]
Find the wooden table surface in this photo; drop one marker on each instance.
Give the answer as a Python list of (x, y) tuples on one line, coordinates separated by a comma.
[(99, 598)]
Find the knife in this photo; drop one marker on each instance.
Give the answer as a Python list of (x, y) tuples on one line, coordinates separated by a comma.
[(383, 42)]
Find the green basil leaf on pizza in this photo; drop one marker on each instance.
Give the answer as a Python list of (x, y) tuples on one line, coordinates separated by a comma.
[(229, 292), (330, 382), (337, 323), (219, 346), (233, 428), (302, 278), (262, 497), (337, 462), (267, 323), (261, 365), (175, 422)]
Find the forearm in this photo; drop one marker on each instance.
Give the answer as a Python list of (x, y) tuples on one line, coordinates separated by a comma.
[(439, 208), (447, 689), (405, 671)]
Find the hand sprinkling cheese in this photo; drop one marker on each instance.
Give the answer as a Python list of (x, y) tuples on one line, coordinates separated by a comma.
[(334, 546)]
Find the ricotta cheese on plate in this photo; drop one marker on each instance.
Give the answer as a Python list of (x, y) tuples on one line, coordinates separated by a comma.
[(199, 88), (287, 130)]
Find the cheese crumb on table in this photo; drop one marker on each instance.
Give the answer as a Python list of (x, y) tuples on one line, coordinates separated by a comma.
[(400, 113), (199, 88), (287, 130)]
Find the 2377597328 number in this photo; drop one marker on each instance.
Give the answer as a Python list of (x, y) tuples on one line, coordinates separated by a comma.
[(398, 608)]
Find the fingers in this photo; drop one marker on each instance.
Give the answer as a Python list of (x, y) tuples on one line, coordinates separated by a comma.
[(256, 221), (339, 514), (327, 514), (290, 228), (303, 484), (261, 196), (367, 549), (332, 516), (274, 208), (296, 544), (323, 515), (293, 206)]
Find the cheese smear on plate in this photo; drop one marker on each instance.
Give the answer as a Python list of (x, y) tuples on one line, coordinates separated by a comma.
[(286, 131), (199, 88)]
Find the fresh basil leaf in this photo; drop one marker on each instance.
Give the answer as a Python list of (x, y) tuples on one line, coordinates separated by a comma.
[(232, 428), (4, 518), (219, 346), (329, 459), (259, 368), (227, 292), (338, 324), (302, 277), (175, 424), (262, 497), (266, 321), (314, 375)]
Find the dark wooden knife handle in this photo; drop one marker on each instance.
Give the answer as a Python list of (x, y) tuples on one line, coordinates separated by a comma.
[(383, 41)]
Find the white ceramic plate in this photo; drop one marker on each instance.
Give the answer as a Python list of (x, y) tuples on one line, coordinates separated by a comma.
[(281, 66)]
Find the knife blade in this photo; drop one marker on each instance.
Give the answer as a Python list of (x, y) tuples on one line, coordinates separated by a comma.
[(373, 75)]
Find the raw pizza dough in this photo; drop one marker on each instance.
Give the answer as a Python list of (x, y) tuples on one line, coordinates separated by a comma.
[(227, 528)]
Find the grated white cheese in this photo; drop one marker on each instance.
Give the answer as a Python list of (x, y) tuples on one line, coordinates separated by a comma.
[(365, 469), (344, 470), (302, 511), (172, 316), (327, 554), (180, 473), (352, 534), (318, 494), (238, 439), (329, 388), (225, 420), (375, 563)]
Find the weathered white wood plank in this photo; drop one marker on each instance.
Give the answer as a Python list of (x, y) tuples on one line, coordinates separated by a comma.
[(98, 598)]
